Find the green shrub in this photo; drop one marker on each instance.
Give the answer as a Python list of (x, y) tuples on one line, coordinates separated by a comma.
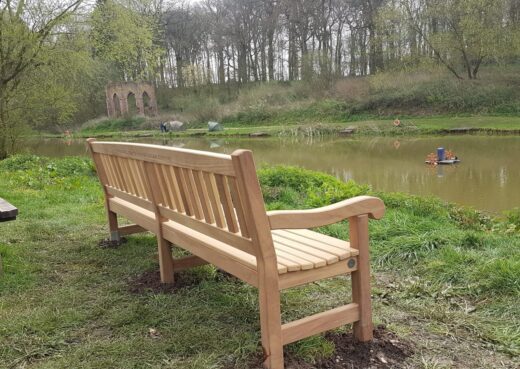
[(500, 276), (469, 218), (513, 217), (300, 188), (35, 172)]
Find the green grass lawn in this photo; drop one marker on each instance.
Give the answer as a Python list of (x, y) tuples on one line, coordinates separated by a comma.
[(446, 279), (291, 124)]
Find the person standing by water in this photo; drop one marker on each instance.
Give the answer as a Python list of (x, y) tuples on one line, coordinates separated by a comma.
[(163, 127)]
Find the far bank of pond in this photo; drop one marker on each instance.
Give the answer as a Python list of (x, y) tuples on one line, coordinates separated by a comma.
[(488, 178)]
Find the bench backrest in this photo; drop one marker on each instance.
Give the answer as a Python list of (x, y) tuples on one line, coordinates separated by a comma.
[(211, 193)]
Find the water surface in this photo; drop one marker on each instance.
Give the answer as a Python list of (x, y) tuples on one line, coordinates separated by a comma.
[(488, 177)]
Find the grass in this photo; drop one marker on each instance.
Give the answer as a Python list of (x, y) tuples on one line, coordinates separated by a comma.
[(446, 278), (428, 101), (307, 126)]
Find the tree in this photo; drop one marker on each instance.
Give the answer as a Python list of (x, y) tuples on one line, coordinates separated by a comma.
[(462, 33), (125, 37), (26, 36)]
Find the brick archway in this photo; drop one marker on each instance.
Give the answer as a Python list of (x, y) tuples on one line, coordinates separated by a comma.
[(117, 98)]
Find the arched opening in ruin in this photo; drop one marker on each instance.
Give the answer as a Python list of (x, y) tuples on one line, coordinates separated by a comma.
[(146, 104), (130, 98), (132, 105), (117, 106)]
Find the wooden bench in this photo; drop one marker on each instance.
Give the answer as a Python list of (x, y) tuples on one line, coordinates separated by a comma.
[(212, 206), (7, 211)]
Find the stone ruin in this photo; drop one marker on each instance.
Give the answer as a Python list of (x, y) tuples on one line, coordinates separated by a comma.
[(118, 95)]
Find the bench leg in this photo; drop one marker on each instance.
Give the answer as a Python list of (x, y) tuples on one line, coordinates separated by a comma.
[(165, 260), (271, 327), (363, 329), (113, 226)]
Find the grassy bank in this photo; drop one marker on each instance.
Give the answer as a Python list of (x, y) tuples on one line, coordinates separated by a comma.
[(446, 279), (301, 125), (427, 101), (404, 92)]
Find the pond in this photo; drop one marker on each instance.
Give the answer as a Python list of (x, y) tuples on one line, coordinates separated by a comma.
[(488, 178)]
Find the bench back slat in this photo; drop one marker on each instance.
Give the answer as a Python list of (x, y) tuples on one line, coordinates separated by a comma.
[(227, 204), (196, 189), (203, 196), (239, 207), (214, 200)]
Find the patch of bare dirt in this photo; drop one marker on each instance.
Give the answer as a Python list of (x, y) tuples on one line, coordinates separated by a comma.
[(150, 282), (108, 244), (386, 350)]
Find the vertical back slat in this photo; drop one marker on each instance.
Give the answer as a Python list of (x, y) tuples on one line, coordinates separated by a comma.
[(114, 181), (167, 199), (146, 183), (184, 190), (169, 188), (194, 195), (117, 170), (214, 199), (162, 196), (108, 171), (175, 189), (203, 196), (138, 178), (129, 176), (239, 206), (227, 203)]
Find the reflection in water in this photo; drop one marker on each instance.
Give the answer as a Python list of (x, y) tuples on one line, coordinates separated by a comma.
[(487, 178)]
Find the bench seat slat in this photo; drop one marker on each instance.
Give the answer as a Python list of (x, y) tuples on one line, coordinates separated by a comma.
[(322, 238), (317, 241), (324, 255), (316, 262)]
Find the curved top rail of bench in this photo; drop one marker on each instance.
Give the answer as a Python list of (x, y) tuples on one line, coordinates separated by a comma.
[(186, 158)]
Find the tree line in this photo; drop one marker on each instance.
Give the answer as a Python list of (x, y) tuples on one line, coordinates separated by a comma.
[(56, 56), (217, 41)]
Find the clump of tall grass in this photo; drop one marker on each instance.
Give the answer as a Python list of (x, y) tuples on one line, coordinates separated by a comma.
[(114, 125), (284, 186), (35, 172)]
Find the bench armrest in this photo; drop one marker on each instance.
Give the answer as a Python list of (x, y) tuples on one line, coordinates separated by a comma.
[(300, 219)]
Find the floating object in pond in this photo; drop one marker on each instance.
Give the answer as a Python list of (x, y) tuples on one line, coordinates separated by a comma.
[(447, 162), (443, 157)]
